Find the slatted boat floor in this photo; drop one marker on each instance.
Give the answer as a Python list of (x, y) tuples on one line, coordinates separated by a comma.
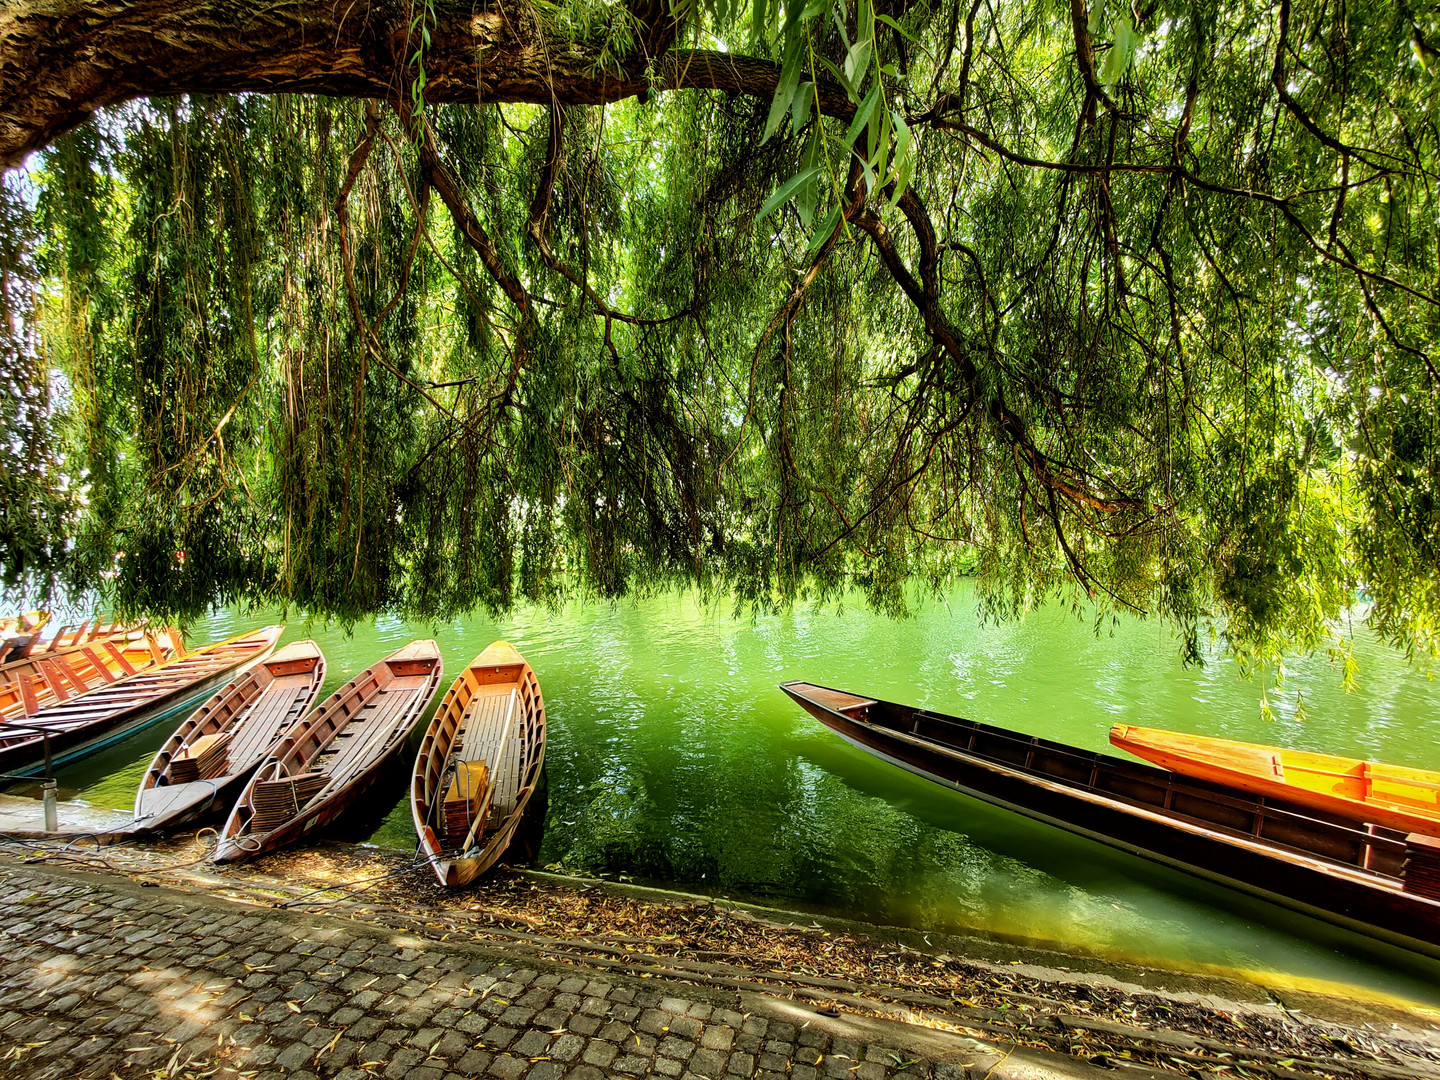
[(148, 685), (375, 722), (491, 710), (30, 687), (86, 722)]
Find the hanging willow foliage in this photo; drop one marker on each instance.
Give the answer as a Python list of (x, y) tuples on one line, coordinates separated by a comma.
[(1136, 303)]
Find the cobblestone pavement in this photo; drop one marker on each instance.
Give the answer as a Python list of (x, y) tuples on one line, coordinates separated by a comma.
[(102, 977)]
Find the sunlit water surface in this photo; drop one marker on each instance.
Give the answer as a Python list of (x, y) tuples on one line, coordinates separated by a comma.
[(673, 757)]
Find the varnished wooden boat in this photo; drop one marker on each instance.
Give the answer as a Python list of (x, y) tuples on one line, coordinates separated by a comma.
[(83, 724), (478, 765), (1391, 795), (219, 745), (88, 632), (79, 663), (1378, 881), (329, 759), (19, 633)]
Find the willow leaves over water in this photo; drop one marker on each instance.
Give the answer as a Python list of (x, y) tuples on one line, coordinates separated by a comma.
[(1136, 303)]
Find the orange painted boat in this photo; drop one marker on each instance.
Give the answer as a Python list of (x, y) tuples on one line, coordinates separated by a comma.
[(87, 722), (478, 765), (81, 664), (1390, 795)]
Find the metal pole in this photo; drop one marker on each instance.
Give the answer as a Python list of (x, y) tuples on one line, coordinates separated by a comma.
[(47, 796), (45, 739)]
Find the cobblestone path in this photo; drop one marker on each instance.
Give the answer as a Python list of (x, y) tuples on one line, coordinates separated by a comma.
[(101, 977)]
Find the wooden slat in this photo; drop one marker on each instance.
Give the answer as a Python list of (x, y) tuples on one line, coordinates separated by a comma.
[(119, 656)]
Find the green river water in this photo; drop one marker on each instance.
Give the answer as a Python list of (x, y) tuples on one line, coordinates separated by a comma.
[(674, 758)]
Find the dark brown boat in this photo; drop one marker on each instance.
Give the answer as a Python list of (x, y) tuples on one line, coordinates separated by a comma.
[(331, 758), (478, 765), (221, 743), (1377, 881), (83, 724)]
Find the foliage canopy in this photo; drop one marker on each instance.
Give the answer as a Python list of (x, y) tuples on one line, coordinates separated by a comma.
[(1135, 301)]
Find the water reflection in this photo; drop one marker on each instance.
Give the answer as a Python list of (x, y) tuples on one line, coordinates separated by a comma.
[(672, 756)]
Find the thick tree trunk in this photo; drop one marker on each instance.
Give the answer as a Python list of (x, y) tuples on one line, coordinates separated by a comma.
[(60, 60)]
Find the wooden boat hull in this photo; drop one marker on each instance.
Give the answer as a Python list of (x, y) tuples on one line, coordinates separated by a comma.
[(327, 761), (105, 715), (492, 719), (1390, 795), (1330, 870), (243, 721), (71, 667)]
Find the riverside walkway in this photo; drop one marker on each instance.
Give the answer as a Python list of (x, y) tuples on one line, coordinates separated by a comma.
[(102, 975)]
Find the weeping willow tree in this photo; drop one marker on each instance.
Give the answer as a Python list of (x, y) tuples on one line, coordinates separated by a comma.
[(430, 307)]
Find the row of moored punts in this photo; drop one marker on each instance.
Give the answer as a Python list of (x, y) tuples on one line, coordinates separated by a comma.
[(1351, 842), (261, 751)]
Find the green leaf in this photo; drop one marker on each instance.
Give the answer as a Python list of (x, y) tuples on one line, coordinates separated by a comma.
[(878, 146), (1122, 51), (862, 116), (888, 21), (840, 77), (904, 164), (804, 98), (857, 60), (785, 90), (828, 226), (784, 191)]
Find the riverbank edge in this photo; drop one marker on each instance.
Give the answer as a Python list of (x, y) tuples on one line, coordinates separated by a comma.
[(1219, 992), (1050, 1044)]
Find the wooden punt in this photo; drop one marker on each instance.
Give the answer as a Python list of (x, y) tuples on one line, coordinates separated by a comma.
[(83, 724), (329, 759), (221, 743), (1378, 881), (68, 637), (478, 765), (1391, 795), (19, 633), (80, 663)]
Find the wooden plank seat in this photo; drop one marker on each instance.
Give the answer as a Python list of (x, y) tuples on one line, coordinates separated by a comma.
[(276, 801), (202, 759)]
